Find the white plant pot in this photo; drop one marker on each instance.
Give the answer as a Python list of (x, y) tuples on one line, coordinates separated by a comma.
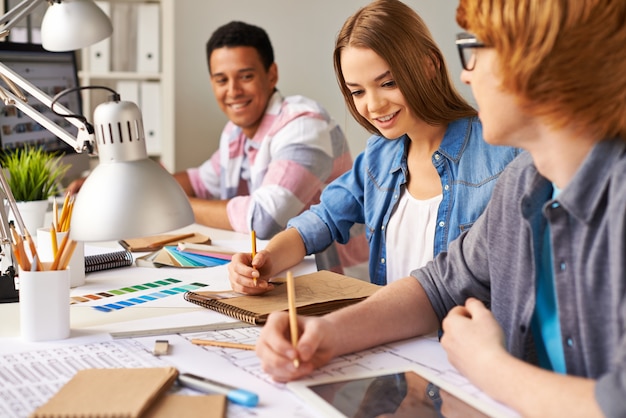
[(33, 214)]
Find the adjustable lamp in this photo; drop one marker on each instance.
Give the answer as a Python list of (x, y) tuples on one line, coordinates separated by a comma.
[(73, 24), (127, 194)]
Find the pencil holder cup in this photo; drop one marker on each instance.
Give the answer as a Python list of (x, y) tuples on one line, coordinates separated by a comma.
[(44, 304), (77, 261)]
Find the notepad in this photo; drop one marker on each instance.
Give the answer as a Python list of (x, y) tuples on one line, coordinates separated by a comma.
[(316, 294), (109, 392), (106, 261)]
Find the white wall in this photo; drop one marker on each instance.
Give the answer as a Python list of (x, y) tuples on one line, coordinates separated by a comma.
[(303, 35)]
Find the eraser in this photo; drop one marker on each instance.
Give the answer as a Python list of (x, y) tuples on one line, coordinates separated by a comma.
[(161, 347)]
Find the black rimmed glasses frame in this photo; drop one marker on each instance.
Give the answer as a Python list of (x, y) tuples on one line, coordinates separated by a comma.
[(466, 44)]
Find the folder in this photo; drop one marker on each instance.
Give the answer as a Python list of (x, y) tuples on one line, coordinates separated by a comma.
[(150, 99), (148, 38), (129, 91), (100, 53), (124, 38)]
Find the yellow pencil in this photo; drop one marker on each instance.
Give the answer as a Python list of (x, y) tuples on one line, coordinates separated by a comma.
[(53, 238), (57, 259), (64, 213), (225, 344), (33, 251), (55, 214), (67, 254), (19, 244), (293, 319), (253, 237), (66, 223)]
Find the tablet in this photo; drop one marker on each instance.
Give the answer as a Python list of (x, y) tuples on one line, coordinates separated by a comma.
[(413, 391)]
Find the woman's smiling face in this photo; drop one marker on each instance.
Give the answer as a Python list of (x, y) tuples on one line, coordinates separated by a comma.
[(375, 93)]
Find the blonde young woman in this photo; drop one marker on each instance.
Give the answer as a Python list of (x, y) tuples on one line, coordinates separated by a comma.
[(426, 173)]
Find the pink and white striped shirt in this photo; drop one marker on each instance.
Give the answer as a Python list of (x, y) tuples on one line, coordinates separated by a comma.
[(297, 150)]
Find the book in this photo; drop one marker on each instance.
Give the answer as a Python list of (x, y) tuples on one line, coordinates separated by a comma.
[(98, 262), (316, 294)]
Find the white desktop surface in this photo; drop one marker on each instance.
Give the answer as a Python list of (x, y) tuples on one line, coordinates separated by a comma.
[(91, 341)]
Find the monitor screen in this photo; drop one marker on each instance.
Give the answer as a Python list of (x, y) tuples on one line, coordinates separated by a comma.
[(51, 72)]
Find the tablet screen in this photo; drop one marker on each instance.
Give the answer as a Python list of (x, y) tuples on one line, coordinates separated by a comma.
[(402, 394)]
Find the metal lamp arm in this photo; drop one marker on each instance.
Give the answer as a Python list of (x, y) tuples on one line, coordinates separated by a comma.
[(85, 139), (16, 14)]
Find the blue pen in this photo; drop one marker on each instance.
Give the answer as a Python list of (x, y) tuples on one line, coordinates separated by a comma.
[(202, 384)]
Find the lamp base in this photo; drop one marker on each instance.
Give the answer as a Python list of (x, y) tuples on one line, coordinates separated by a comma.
[(8, 292)]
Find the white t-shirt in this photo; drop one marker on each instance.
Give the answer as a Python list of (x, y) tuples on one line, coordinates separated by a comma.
[(410, 235)]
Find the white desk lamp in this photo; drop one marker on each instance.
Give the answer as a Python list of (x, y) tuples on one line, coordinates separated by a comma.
[(128, 194)]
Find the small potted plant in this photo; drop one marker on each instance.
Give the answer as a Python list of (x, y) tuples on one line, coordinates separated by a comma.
[(33, 175)]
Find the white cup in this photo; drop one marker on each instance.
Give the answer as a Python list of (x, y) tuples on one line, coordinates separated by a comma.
[(77, 262), (44, 304)]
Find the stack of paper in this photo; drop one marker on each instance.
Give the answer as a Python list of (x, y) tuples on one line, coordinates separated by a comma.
[(187, 259)]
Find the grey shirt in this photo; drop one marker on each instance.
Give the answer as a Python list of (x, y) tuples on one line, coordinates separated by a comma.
[(495, 261)]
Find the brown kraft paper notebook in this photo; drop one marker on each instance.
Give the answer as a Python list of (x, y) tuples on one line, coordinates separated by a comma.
[(109, 393), (316, 294), (156, 242)]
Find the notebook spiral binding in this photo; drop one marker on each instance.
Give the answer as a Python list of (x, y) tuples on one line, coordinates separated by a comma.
[(108, 261), (223, 308)]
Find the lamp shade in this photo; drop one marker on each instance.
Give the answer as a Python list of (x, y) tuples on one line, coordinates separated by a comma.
[(127, 195), (128, 200), (69, 25)]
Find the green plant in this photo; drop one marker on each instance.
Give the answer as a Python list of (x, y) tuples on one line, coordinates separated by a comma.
[(33, 174)]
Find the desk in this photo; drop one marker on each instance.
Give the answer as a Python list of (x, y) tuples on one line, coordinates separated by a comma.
[(28, 367)]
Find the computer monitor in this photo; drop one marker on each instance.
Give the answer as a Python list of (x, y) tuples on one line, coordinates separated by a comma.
[(51, 72)]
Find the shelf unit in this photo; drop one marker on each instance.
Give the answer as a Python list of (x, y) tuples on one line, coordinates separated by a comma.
[(124, 14)]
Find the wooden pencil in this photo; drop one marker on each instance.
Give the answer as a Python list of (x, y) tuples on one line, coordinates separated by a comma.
[(293, 319), (161, 243), (253, 238), (225, 344)]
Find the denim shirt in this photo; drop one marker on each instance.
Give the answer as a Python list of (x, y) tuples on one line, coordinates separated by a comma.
[(468, 168)]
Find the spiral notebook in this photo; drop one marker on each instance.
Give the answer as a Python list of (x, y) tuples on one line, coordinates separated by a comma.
[(115, 259), (316, 294)]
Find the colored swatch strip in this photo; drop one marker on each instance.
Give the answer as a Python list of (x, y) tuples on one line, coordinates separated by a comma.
[(139, 298)]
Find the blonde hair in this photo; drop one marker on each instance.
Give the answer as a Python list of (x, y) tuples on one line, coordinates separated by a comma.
[(398, 35), (565, 60)]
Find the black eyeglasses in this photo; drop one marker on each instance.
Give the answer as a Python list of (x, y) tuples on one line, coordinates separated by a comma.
[(466, 43)]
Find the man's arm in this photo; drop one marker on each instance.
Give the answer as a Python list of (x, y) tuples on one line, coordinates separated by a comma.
[(183, 179), (211, 213)]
